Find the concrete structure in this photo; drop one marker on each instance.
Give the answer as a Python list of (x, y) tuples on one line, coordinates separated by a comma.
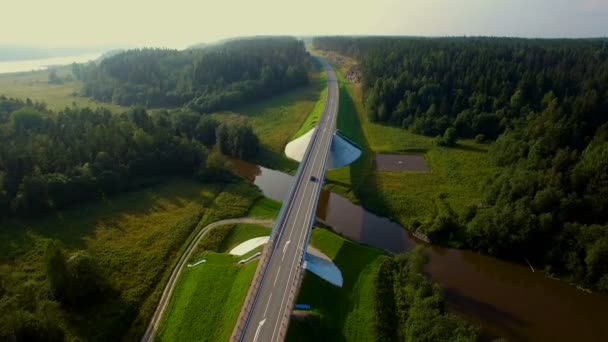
[(315, 261), (321, 265), (342, 152), (249, 245), (270, 299)]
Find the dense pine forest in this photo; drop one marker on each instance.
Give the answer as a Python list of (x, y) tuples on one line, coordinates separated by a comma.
[(50, 160), (544, 103), (209, 79)]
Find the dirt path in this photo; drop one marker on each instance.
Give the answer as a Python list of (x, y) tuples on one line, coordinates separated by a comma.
[(168, 291)]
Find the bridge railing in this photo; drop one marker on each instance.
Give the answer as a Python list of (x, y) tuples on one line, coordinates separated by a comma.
[(252, 293), (297, 281)]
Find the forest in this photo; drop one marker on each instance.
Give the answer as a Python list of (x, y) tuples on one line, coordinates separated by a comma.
[(207, 79), (51, 160), (543, 106), (409, 307)]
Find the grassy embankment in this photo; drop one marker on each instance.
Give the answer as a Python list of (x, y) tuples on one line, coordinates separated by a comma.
[(35, 85), (455, 173), (208, 297), (136, 238), (339, 314), (277, 120)]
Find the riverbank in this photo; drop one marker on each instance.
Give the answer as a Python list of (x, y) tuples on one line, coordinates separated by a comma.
[(413, 199), (506, 299)]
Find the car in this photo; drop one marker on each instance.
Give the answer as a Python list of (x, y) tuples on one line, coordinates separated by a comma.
[(313, 178)]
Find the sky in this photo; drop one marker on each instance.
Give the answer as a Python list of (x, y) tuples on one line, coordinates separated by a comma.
[(179, 23)]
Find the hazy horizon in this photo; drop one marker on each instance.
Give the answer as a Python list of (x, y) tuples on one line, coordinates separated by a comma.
[(180, 23)]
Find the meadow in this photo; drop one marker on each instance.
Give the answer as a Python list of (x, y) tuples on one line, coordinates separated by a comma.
[(455, 178), (35, 86), (277, 120), (136, 238)]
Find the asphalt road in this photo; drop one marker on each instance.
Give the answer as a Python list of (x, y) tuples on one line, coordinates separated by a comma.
[(273, 304)]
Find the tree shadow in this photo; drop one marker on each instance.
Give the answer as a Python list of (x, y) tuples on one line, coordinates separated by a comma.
[(489, 314), (274, 160), (470, 148), (333, 303), (363, 180)]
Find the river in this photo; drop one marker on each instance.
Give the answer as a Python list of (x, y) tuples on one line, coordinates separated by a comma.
[(41, 64), (505, 298)]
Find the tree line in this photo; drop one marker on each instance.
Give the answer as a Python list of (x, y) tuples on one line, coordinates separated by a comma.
[(205, 80), (545, 102), (409, 308), (51, 160)]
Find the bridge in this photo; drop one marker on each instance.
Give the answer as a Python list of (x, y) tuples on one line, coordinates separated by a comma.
[(267, 309)]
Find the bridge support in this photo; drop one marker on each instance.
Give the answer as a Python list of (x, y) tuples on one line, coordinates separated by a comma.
[(321, 265), (343, 151), (314, 260)]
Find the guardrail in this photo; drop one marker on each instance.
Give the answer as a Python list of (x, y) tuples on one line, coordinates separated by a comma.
[(297, 282), (277, 230), (252, 294)]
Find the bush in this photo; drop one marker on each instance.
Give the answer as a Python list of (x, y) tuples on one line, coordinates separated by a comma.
[(75, 282), (86, 281), (480, 138)]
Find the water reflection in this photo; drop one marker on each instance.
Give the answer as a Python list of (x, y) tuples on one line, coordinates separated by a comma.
[(506, 298)]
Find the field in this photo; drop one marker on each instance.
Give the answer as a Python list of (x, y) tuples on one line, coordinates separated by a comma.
[(208, 297), (265, 208), (35, 85), (276, 120), (456, 174), (339, 314), (136, 237)]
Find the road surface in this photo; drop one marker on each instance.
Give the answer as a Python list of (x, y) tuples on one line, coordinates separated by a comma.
[(269, 315)]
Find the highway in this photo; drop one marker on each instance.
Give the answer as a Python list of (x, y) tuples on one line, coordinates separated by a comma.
[(273, 300)]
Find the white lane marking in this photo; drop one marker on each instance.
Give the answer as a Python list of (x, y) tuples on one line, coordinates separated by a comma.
[(302, 231), (286, 244), (267, 304), (277, 277), (257, 331), (311, 200), (285, 250)]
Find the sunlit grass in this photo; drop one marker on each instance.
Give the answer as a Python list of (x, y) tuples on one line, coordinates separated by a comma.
[(35, 86), (277, 119), (137, 238), (207, 298), (456, 173)]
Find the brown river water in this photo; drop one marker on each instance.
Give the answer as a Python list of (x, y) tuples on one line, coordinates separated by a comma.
[(505, 298)]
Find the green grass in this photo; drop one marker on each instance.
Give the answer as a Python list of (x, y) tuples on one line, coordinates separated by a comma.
[(265, 208), (315, 115), (339, 314), (35, 85), (455, 172), (277, 119), (208, 298), (241, 233), (137, 238)]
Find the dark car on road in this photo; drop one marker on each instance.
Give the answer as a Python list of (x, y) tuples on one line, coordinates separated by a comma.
[(313, 179)]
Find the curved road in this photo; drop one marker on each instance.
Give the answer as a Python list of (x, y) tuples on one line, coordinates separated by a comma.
[(168, 291)]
